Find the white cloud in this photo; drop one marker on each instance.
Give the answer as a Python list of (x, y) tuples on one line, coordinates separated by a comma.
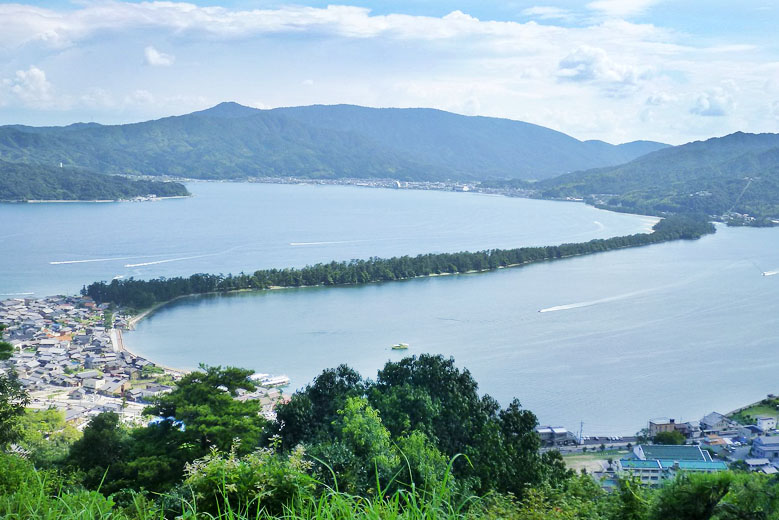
[(621, 8), (714, 103), (660, 98), (156, 58), (140, 97), (774, 109), (591, 64), (546, 12), (606, 77), (30, 87), (96, 97)]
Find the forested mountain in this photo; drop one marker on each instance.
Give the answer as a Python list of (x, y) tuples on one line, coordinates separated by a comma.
[(233, 141), (42, 182), (736, 173)]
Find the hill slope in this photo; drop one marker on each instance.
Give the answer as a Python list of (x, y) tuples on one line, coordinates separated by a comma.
[(233, 141), (736, 173), (20, 182)]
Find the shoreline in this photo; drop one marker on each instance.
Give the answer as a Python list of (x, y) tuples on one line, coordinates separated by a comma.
[(123, 348), (140, 198)]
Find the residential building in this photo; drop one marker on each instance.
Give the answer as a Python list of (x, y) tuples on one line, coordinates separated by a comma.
[(716, 422), (766, 448), (653, 463), (661, 425), (766, 423)]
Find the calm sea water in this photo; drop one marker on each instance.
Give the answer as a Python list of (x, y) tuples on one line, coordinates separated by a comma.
[(229, 228), (676, 329)]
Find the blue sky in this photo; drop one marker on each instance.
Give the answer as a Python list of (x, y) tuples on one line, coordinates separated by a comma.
[(616, 70)]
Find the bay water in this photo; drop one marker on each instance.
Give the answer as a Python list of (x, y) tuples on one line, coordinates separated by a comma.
[(610, 340)]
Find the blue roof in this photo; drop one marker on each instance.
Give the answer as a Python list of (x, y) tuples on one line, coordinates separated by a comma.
[(640, 464), (673, 452), (714, 465)]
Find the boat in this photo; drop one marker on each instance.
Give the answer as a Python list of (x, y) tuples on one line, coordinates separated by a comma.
[(400, 346)]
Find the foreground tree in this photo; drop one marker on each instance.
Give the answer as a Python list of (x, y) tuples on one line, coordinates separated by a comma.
[(13, 397), (430, 407), (102, 453), (204, 408)]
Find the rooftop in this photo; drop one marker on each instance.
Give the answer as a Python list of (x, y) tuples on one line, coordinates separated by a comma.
[(672, 452)]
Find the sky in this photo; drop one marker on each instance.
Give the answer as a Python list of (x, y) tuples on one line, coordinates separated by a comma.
[(615, 70)]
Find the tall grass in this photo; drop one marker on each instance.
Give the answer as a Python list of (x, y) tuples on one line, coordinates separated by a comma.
[(33, 498)]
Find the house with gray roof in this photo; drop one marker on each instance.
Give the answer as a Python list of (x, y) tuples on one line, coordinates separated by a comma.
[(766, 448), (716, 422)]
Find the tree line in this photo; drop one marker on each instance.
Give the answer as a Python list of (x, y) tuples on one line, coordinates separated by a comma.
[(141, 294)]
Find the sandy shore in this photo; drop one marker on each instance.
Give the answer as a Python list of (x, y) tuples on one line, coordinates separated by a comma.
[(121, 347)]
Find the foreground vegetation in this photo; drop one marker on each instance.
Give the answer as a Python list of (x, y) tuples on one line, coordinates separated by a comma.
[(141, 294), (22, 182), (416, 443)]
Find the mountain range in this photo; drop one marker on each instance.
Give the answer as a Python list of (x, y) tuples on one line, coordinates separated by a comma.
[(231, 141), (737, 173)]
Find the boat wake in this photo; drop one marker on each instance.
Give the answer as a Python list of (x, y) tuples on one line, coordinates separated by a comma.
[(61, 262), (590, 303), (168, 260), (324, 243), (17, 294), (182, 258)]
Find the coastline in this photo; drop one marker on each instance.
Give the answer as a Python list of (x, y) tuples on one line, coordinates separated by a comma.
[(95, 201), (121, 347)]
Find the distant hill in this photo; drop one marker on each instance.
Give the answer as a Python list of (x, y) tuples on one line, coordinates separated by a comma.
[(736, 173), (234, 141), (20, 182)]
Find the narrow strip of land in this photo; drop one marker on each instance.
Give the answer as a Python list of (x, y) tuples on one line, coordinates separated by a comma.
[(146, 294)]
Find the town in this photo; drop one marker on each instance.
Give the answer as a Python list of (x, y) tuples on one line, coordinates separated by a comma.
[(69, 355), (745, 439)]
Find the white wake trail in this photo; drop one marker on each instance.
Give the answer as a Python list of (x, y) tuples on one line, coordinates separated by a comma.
[(324, 243), (155, 262), (595, 302), (60, 262)]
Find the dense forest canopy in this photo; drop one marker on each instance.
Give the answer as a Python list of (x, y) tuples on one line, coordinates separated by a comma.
[(145, 293)]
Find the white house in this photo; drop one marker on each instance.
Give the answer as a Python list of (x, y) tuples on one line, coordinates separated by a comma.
[(766, 423)]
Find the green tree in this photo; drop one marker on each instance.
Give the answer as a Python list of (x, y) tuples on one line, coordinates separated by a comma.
[(46, 436), (691, 496), (204, 405), (6, 349), (311, 414), (102, 453), (672, 437), (13, 397)]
